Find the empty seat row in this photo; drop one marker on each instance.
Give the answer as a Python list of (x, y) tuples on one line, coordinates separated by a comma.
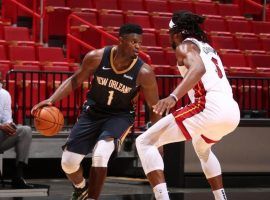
[(235, 24), (30, 53), (241, 41), (250, 63), (146, 5)]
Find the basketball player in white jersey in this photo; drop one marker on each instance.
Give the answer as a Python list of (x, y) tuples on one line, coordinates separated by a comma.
[(211, 115)]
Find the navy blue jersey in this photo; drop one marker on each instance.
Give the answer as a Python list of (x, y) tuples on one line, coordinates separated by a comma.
[(113, 91)]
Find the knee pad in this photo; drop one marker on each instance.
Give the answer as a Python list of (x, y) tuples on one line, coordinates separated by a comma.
[(201, 148), (102, 153), (71, 161)]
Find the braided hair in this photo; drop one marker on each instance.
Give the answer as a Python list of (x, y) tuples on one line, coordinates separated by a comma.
[(187, 23)]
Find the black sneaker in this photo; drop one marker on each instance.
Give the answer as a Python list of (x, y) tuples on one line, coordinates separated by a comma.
[(20, 183), (80, 193)]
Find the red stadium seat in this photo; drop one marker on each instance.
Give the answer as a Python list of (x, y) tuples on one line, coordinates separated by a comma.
[(58, 3), (235, 61), (175, 5), (163, 70), (110, 18), (157, 55), (51, 56), (265, 41), (214, 23), (149, 39), (138, 17), (160, 20), (4, 68), (89, 15), (23, 55), (207, 8), (156, 6), (3, 54), (17, 35), (247, 41), (80, 3), (238, 25), (131, 5), (258, 59), (163, 38), (260, 27), (55, 22), (222, 40), (228, 9), (106, 4), (170, 57)]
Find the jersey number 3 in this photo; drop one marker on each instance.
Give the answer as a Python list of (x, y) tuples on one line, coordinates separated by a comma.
[(110, 97), (219, 72)]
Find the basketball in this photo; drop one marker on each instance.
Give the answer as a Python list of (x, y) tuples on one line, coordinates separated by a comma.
[(48, 120)]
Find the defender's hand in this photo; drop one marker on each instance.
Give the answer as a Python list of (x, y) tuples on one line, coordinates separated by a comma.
[(164, 105), (41, 104)]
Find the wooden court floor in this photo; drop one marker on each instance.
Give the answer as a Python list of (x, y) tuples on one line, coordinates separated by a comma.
[(117, 189)]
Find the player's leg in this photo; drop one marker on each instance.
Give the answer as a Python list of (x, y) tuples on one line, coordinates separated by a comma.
[(210, 165), (114, 128), (98, 172), (163, 132), (79, 143)]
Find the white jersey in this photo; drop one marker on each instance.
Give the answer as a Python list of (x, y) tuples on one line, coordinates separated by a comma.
[(213, 112), (214, 79)]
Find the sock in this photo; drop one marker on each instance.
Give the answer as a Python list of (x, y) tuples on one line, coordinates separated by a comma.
[(161, 192), (19, 170), (220, 194), (80, 185)]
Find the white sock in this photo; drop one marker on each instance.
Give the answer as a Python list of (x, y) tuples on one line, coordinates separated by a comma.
[(220, 194), (161, 192), (80, 185)]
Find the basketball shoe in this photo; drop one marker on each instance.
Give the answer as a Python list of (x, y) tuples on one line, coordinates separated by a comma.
[(80, 193)]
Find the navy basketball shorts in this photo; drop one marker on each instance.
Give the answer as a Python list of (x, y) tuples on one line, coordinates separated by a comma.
[(88, 130)]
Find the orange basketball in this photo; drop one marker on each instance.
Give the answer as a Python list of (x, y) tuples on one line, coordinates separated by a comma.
[(48, 120)]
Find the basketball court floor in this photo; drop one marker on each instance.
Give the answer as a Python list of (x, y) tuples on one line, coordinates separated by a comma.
[(132, 189)]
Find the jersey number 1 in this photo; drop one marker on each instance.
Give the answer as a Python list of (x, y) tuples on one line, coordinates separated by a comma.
[(110, 97), (219, 72)]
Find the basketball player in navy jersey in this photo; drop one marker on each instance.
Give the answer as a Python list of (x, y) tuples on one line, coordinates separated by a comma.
[(108, 113), (211, 115)]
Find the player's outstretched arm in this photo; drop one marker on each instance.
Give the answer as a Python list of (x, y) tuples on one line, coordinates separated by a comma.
[(148, 83), (90, 62)]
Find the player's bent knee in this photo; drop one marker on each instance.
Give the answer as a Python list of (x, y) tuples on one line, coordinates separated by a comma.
[(202, 149), (70, 162), (102, 153)]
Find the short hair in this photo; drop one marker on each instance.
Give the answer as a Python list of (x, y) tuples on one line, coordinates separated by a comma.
[(130, 28), (188, 24)]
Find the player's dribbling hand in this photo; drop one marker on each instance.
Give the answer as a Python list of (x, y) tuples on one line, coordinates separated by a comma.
[(164, 105), (41, 104)]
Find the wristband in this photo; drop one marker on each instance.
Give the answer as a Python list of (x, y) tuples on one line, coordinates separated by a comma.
[(174, 97)]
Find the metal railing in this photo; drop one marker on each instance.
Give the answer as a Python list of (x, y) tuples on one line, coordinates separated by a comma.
[(27, 88)]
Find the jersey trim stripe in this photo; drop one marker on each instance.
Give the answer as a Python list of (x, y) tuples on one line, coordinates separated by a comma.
[(122, 71), (207, 140), (191, 110), (123, 136)]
